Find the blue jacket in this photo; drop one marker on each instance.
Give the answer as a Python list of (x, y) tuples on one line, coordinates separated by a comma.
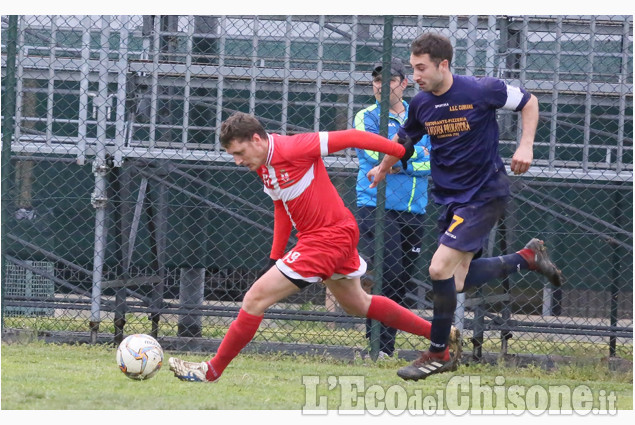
[(405, 190)]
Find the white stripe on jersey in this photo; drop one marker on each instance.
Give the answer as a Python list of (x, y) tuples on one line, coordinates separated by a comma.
[(270, 151), (324, 143), (514, 96), (286, 208), (289, 193), (275, 192)]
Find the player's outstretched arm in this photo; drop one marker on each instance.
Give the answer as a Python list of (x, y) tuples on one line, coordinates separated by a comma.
[(339, 140), (524, 155)]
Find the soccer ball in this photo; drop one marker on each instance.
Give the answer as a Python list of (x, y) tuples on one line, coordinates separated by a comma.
[(139, 356)]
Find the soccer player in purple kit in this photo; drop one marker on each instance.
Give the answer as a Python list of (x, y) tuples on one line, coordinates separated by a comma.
[(459, 114)]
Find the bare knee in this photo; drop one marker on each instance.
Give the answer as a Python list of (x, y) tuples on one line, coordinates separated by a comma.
[(437, 271), (255, 302)]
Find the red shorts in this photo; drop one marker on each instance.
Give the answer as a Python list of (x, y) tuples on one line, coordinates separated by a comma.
[(327, 253)]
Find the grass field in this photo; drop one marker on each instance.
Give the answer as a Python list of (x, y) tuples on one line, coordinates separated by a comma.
[(39, 376)]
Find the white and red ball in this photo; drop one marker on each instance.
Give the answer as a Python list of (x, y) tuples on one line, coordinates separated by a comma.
[(139, 356)]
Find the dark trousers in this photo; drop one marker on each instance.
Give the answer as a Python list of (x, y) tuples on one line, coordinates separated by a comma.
[(403, 233)]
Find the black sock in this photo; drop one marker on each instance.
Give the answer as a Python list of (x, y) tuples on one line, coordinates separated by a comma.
[(443, 313), (486, 269)]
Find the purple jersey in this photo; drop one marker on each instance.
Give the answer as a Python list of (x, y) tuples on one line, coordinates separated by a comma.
[(464, 160)]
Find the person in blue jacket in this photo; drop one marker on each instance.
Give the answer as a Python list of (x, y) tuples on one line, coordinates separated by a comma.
[(406, 200)]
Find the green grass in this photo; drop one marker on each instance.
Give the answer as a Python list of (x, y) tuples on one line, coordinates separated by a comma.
[(39, 376)]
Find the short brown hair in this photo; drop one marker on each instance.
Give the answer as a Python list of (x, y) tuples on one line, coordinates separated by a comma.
[(241, 127), (437, 46)]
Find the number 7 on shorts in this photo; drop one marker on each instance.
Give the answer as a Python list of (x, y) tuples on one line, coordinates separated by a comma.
[(456, 220)]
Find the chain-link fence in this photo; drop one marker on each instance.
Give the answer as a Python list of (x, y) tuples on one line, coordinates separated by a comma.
[(122, 214)]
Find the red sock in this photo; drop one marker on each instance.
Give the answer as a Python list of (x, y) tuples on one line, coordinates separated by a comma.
[(395, 316), (240, 332), (529, 256), (444, 355)]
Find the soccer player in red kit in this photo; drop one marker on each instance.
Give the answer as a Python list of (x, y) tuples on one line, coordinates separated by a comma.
[(304, 197)]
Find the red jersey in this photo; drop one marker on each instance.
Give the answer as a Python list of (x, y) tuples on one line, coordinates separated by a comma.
[(295, 177)]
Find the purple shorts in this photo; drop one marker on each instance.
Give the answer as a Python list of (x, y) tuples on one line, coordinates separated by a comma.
[(466, 227)]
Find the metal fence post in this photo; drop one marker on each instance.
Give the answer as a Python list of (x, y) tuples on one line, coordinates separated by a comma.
[(380, 213), (616, 273), (99, 198), (8, 111), (160, 229), (191, 291), (506, 313), (120, 184)]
